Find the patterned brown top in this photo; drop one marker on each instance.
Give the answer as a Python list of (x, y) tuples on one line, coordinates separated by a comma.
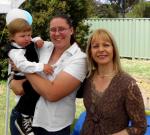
[(109, 112)]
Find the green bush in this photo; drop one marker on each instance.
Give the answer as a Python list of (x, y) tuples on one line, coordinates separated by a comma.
[(140, 10), (3, 69)]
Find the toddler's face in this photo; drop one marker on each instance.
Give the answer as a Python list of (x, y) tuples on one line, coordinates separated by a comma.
[(22, 38)]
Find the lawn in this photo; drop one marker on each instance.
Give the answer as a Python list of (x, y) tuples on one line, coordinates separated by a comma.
[(140, 69), (3, 105)]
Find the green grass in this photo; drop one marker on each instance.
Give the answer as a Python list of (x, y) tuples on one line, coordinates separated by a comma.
[(147, 112), (3, 105), (138, 68)]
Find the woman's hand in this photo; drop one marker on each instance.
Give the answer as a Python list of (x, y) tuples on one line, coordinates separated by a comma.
[(13, 66), (122, 132), (16, 86)]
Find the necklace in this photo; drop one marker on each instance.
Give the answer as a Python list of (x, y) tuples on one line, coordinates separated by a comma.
[(112, 74)]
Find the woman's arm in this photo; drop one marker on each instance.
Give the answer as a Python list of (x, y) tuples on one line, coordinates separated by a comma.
[(63, 85), (16, 86), (66, 81), (136, 111)]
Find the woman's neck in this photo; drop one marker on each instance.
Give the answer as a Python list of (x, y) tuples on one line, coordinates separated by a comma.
[(56, 54), (58, 51), (106, 70)]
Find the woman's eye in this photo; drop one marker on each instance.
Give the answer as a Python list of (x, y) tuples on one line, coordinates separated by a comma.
[(106, 45), (95, 45)]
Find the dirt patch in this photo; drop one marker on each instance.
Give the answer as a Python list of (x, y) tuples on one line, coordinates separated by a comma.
[(144, 85)]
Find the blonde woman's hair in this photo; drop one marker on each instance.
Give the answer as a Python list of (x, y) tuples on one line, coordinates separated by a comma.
[(18, 25), (106, 35)]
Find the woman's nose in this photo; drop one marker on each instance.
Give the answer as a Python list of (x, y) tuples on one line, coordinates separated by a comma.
[(101, 48), (57, 32)]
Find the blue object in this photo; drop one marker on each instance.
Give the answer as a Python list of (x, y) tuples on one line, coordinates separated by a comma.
[(80, 121), (29, 17), (78, 124), (148, 125)]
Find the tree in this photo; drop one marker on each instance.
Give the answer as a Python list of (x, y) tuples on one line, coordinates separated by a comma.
[(114, 8), (140, 10), (3, 41), (146, 12), (125, 5), (107, 10)]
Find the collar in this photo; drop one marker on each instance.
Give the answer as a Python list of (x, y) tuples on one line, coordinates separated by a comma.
[(72, 49), (16, 45)]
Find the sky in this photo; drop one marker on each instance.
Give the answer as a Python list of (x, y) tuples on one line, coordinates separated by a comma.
[(4, 1), (103, 1)]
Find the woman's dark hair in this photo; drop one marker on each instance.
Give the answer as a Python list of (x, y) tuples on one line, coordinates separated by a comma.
[(69, 22)]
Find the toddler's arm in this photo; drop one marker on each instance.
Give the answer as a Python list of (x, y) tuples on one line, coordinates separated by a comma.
[(18, 58)]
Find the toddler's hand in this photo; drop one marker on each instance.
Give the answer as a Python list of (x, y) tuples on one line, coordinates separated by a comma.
[(48, 69), (39, 43)]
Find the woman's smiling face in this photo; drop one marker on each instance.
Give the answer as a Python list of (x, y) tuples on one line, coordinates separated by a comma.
[(102, 50), (60, 32)]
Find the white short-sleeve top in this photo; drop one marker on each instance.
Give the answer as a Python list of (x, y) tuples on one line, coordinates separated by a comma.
[(54, 116)]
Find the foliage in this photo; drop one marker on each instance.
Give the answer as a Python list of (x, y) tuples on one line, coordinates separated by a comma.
[(146, 12), (114, 8), (107, 10), (126, 4), (140, 10), (3, 33), (3, 42), (3, 68), (42, 11)]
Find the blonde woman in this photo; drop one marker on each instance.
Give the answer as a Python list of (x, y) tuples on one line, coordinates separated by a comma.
[(111, 97)]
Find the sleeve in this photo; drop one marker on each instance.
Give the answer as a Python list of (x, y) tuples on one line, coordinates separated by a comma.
[(17, 56), (77, 68), (135, 110), (81, 90), (35, 39)]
